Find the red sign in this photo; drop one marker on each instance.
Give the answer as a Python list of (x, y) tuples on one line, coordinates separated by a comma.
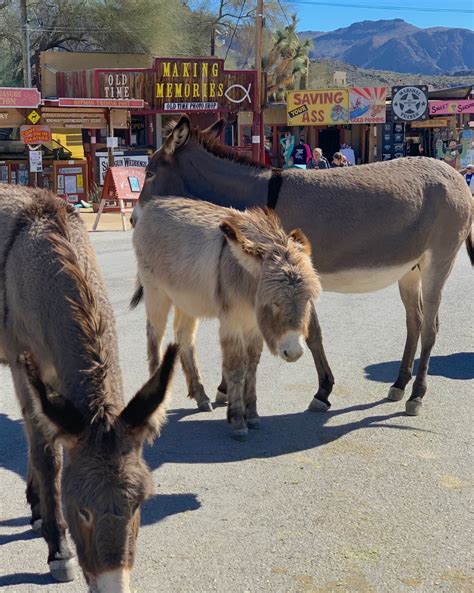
[(13, 97), (35, 134), (125, 103), (451, 107)]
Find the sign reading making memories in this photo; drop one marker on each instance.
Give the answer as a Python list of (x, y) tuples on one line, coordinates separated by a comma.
[(409, 103)]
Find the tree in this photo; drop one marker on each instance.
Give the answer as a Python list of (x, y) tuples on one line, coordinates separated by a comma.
[(144, 26), (286, 61)]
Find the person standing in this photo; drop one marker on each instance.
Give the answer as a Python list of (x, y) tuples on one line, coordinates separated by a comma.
[(318, 161)]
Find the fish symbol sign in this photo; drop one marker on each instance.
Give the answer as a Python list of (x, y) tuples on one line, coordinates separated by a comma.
[(246, 93)]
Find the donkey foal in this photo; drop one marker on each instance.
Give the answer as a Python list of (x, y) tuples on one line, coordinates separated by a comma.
[(241, 267)]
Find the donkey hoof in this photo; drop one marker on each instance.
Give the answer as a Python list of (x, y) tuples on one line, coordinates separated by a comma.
[(240, 434), (253, 423), (395, 394), (413, 406), (221, 398), (205, 406), (63, 570), (36, 525), (318, 405)]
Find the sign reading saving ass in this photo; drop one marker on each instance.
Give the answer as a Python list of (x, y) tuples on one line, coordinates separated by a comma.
[(336, 106), (174, 85)]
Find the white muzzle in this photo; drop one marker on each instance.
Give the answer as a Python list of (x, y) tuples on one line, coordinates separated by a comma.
[(291, 346)]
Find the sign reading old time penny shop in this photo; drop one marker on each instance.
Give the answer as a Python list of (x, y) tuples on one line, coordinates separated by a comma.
[(171, 85)]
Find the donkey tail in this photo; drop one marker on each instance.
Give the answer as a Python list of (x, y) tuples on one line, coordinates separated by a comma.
[(138, 295), (470, 246)]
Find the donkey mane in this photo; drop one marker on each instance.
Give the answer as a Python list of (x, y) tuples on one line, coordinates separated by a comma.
[(84, 306), (221, 151)]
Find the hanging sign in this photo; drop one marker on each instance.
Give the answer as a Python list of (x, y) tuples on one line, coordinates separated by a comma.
[(367, 105), (36, 161), (107, 102), (409, 103), (35, 134)]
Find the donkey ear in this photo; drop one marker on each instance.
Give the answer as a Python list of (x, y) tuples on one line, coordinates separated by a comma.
[(146, 412), (214, 131), (63, 420), (248, 253), (178, 137), (301, 239)]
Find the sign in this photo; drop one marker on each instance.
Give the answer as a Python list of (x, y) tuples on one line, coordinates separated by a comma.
[(11, 118), (104, 103), (36, 161), (393, 141), (70, 179), (451, 107), (57, 117), (409, 103), (431, 123), (202, 84), (17, 97), (367, 105), (33, 117), (112, 142), (35, 134), (120, 160), (318, 107)]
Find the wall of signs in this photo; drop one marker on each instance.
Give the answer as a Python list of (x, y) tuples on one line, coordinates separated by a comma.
[(393, 141)]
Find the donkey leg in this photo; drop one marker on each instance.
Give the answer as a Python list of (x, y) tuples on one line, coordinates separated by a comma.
[(221, 395), (254, 351), (433, 278), (234, 363), (33, 499), (158, 305), (45, 464), (185, 335), (320, 402), (410, 292)]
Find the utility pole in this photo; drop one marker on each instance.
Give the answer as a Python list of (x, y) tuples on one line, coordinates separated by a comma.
[(258, 147), (25, 44)]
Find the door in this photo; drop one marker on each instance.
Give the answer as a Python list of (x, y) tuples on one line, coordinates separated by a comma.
[(329, 142)]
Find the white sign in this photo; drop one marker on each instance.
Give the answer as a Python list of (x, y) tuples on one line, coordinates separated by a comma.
[(410, 103), (112, 142), (193, 106), (36, 161), (121, 161)]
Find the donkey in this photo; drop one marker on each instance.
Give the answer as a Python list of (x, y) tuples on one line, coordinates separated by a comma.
[(240, 267), (57, 334), (373, 225)]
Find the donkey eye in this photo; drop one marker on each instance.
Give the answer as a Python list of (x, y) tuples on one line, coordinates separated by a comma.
[(275, 308), (148, 174), (86, 516)]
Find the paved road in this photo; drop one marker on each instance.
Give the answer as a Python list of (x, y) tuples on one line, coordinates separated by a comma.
[(359, 500)]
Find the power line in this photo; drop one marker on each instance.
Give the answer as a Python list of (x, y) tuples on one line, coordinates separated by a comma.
[(235, 28), (383, 7), (284, 12)]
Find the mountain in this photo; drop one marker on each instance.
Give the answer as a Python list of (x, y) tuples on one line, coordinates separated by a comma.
[(397, 46)]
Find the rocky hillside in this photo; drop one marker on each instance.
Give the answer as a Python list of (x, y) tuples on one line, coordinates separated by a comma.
[(397, 46)]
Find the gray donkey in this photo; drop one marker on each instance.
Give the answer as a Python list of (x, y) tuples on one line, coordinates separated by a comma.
[(57, 334), (372, 225), (239, 267)]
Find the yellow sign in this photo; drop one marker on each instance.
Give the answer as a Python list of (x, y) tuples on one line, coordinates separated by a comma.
[(431, 123), (33, 117), (318, 107)]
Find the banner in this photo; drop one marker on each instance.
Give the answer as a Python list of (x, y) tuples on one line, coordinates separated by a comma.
[(318, 107), (367, 105), (451, 107)]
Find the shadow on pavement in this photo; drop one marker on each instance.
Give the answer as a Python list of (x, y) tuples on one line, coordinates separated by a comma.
[(208, 441), (161, 506), (26, 578), (18, 537), (458, 366)]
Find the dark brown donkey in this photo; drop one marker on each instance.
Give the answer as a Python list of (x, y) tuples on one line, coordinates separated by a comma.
[(57, 334), (372, 225)]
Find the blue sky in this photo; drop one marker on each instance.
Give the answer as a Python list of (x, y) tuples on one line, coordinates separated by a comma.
[(329, 17)]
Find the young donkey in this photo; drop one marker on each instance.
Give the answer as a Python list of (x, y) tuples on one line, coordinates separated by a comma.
[(57, 334), (240, 267)]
